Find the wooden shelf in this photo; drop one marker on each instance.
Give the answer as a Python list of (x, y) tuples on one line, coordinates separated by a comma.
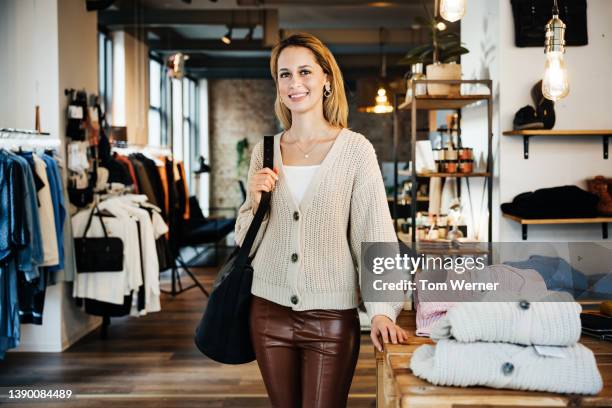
[(556, 132), (527, 133), (442, 102), (558, 221), (482, 174)]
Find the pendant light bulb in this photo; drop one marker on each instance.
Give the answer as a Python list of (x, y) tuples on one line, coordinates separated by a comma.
[(452, 10), (555, 84), (227, 38)]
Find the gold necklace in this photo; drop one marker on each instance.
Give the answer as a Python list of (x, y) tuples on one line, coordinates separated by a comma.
[(307, 154)]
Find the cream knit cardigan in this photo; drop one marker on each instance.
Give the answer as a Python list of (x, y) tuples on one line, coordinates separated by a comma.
[(307, 256)]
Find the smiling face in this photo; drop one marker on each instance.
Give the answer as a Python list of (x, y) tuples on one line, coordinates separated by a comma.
[(300, 80)]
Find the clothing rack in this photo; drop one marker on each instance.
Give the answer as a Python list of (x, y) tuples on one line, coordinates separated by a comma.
[(178, 263), (27, 138)]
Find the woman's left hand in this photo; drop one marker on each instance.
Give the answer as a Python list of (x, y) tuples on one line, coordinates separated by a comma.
[(384, 327)]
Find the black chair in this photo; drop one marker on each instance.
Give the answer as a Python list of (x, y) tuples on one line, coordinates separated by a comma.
[(199, 230)]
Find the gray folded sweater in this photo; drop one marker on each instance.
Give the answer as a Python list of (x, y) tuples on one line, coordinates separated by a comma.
[(553, 321), (503, 365)]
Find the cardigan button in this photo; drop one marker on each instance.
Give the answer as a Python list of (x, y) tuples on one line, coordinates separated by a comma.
[(296, 216), (294, 299), (523, 304), (507, 368), (294, 257)]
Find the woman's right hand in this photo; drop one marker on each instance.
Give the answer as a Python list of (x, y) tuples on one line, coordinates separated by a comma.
[(263, 180)]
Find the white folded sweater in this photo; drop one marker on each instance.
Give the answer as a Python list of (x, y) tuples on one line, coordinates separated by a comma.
[(553, 321), (502, 365)]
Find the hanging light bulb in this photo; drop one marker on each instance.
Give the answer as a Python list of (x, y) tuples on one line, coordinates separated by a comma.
[(382, 102), (227, 38), (555, 84), (452, 10), (176, 65)]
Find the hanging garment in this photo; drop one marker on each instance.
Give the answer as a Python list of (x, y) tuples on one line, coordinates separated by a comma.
[(30, 256), (183, 190), (14, 234), (109, 287), (47, 218), (144, 183), (149, 232), (59, 208), (130, 168)]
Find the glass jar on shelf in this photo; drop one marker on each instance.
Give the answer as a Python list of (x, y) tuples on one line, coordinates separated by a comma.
[(416, 73)]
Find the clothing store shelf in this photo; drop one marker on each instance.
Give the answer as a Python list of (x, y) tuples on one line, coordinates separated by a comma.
[(557, 221), (454, 102), (442, 102), (526, 134), (481, 174)]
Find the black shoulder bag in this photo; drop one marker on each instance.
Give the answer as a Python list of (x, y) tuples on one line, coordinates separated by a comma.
[(223, 333), (98, 254)]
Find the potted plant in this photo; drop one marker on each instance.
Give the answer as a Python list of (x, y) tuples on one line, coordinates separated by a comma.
[(440, 55)]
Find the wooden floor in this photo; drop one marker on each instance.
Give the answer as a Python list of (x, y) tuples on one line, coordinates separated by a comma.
[(151, 362)]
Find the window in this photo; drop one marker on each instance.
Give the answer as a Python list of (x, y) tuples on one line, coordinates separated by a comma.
[(155, 92), (105, 73), (190, 131)]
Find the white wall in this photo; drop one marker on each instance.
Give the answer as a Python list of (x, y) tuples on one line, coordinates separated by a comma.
[(47, 46), (480, 31), (29, 68), (552, 161)]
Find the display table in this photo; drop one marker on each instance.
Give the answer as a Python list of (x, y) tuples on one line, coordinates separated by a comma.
[(398, 387)]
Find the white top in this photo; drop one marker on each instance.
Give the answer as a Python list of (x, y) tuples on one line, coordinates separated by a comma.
[(299, 178)]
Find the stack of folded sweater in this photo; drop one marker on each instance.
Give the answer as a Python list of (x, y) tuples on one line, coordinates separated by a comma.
[(518, 345), (513, 282)]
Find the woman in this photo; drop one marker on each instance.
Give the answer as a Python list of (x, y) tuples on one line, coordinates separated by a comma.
[(328, 197)]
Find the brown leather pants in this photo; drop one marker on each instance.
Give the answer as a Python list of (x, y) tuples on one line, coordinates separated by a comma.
[(307, 358)]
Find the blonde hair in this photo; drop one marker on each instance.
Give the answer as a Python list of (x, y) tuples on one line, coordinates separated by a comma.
[(335, 107)]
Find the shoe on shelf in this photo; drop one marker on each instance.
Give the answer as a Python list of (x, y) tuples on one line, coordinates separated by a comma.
[(599, 187), (545, 108), (526, 118)]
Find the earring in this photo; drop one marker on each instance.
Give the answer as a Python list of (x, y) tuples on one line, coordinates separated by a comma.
[(327, 93)]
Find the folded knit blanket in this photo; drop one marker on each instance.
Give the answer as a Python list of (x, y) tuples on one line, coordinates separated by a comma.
[(502, 365), (553, 321)]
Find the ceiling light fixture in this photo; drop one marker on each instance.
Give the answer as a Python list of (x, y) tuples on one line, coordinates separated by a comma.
[(176, 65), (381, 104), (452, 10), (227, 38), (555, 84)]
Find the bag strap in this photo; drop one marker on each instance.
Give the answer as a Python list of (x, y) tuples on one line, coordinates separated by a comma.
[(262, 209), (93, 210)]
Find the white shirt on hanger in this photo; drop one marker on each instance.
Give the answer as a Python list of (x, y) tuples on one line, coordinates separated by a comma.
[(47, 219)]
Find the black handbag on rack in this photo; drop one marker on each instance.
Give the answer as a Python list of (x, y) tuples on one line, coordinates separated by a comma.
[(531, 16), (98, 254), (223, 332)]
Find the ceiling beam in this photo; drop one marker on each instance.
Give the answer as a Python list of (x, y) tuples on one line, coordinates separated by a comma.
[(187, 45), (331, 37), (160, 18), (352, 61), (364, 36)]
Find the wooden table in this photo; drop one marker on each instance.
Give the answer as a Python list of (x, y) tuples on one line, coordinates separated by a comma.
[(398, 387)]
